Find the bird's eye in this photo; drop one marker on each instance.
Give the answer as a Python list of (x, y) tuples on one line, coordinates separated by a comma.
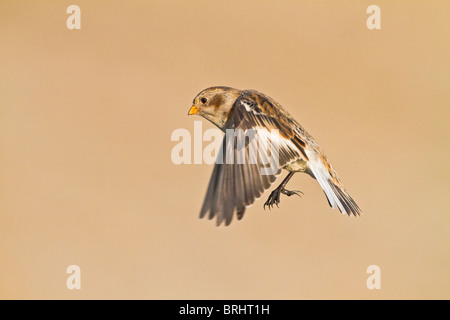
[(203, 100)]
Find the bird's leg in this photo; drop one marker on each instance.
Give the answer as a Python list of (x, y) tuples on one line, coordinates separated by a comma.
[(274, 198)]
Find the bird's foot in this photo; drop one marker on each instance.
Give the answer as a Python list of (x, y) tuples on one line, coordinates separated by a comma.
[(274, 198)]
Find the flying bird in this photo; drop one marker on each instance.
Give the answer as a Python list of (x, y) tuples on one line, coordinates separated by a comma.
[(235, 185)]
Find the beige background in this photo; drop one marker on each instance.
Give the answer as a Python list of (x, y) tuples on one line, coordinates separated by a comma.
[(86, 176)]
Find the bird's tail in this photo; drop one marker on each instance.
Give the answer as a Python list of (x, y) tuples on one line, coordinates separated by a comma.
[(328, 179)]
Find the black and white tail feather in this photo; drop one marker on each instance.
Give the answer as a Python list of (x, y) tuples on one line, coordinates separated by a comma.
[(336, 195)]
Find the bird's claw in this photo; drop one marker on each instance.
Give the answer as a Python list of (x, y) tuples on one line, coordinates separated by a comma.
[(274, 199)]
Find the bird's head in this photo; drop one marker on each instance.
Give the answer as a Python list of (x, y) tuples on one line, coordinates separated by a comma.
[(214, 104)]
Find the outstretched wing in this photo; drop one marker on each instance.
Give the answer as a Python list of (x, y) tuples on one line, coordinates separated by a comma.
[(245, 166), (318, 165)]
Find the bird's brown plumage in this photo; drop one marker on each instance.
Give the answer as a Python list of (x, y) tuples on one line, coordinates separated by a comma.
[(235, 186)]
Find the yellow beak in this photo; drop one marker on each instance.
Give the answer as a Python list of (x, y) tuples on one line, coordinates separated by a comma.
[(193, 110)]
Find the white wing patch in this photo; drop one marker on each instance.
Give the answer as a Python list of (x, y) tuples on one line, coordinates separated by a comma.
[(278, 146), (247, 105), (250, 107)]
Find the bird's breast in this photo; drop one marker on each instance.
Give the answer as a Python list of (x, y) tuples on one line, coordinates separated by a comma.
[(298, 165)]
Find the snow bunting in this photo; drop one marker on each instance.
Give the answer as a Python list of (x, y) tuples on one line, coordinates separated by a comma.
[(234, 185)]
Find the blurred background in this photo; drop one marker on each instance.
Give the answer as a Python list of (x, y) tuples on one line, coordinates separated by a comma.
[(86, 176)]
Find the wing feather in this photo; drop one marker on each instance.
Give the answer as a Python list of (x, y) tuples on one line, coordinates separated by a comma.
[(235, 186)]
